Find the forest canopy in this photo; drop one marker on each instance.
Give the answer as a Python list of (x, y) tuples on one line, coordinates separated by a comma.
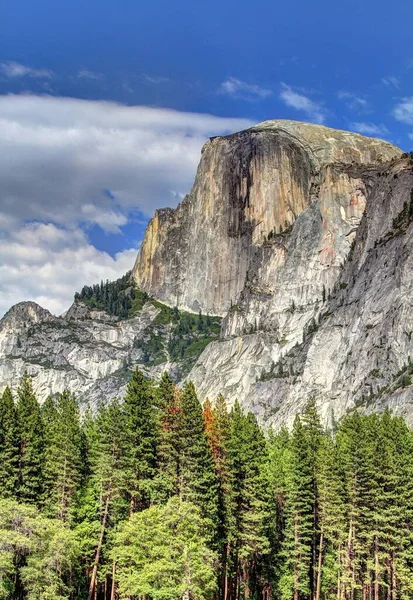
[(159, 498)]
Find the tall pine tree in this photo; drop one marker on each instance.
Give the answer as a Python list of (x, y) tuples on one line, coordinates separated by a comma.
[(9, 446), (62, 469), (142, 436), (31, 436), (197, 479)]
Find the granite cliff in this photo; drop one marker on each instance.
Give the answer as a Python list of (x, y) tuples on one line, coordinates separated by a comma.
[(299, 236)]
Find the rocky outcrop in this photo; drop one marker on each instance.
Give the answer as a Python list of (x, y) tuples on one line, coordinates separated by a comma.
[(90, 352), (84, 351), (249, 187)]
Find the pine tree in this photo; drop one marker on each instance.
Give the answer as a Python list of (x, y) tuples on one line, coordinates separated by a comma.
[(278, 465), (109, 490), (31, 453), (331, 522), (297, 548), (62, 469), (142, 433), (9, 446), (248, 534), (217, 428), (166, 482), (197, 478)]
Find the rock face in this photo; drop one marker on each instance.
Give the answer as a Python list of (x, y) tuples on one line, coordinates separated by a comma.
[(87, 351), (301, 237), (90, 352), (269, 237), (248, 186), (352, 347)]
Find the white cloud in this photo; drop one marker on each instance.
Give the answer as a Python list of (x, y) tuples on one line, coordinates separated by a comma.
[(155, 79), (403, 111), (47, 264), (353, 101), (242, 90), (66, 164), (391, 81), (298, 101), (58, 155), (14, 70), (370, 128), (86, 74)]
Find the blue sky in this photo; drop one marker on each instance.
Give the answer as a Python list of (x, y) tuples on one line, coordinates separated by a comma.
[(81, 175)]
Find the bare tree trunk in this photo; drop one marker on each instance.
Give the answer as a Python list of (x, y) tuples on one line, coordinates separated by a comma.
[(227, 551), (295, 562), (320, 564), (112, 591), (376, 570), (338, 574), (92, 586)]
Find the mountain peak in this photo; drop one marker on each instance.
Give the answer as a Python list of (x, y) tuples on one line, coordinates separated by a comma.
[(27, 312)]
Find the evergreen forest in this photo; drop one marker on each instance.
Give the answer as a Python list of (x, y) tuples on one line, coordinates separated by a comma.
[(159, 498)]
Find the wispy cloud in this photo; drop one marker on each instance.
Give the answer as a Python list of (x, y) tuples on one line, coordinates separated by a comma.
[(391, 81), (14, 70), (128, 88), (403, 111), (302, 103), (86, 74), (155, 79), (353, 101), (370, 128), (245, 91)]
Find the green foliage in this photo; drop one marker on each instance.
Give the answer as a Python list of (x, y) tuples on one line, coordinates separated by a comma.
[(141, 440), (162, 553), (63, 457), (9, 446), (31, 438), (37, 554), (119, 298), (157, 497), (174, 335), (197, 478)]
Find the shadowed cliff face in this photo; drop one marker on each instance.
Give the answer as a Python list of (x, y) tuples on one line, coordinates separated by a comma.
[(234, 230), (198, 255)]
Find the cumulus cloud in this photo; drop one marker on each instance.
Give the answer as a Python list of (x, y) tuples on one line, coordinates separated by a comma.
[(243, 90), (67, 164), (370, 128), (58, 155), (47, 264), (15, 70), (314, 111), (403, 111)]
